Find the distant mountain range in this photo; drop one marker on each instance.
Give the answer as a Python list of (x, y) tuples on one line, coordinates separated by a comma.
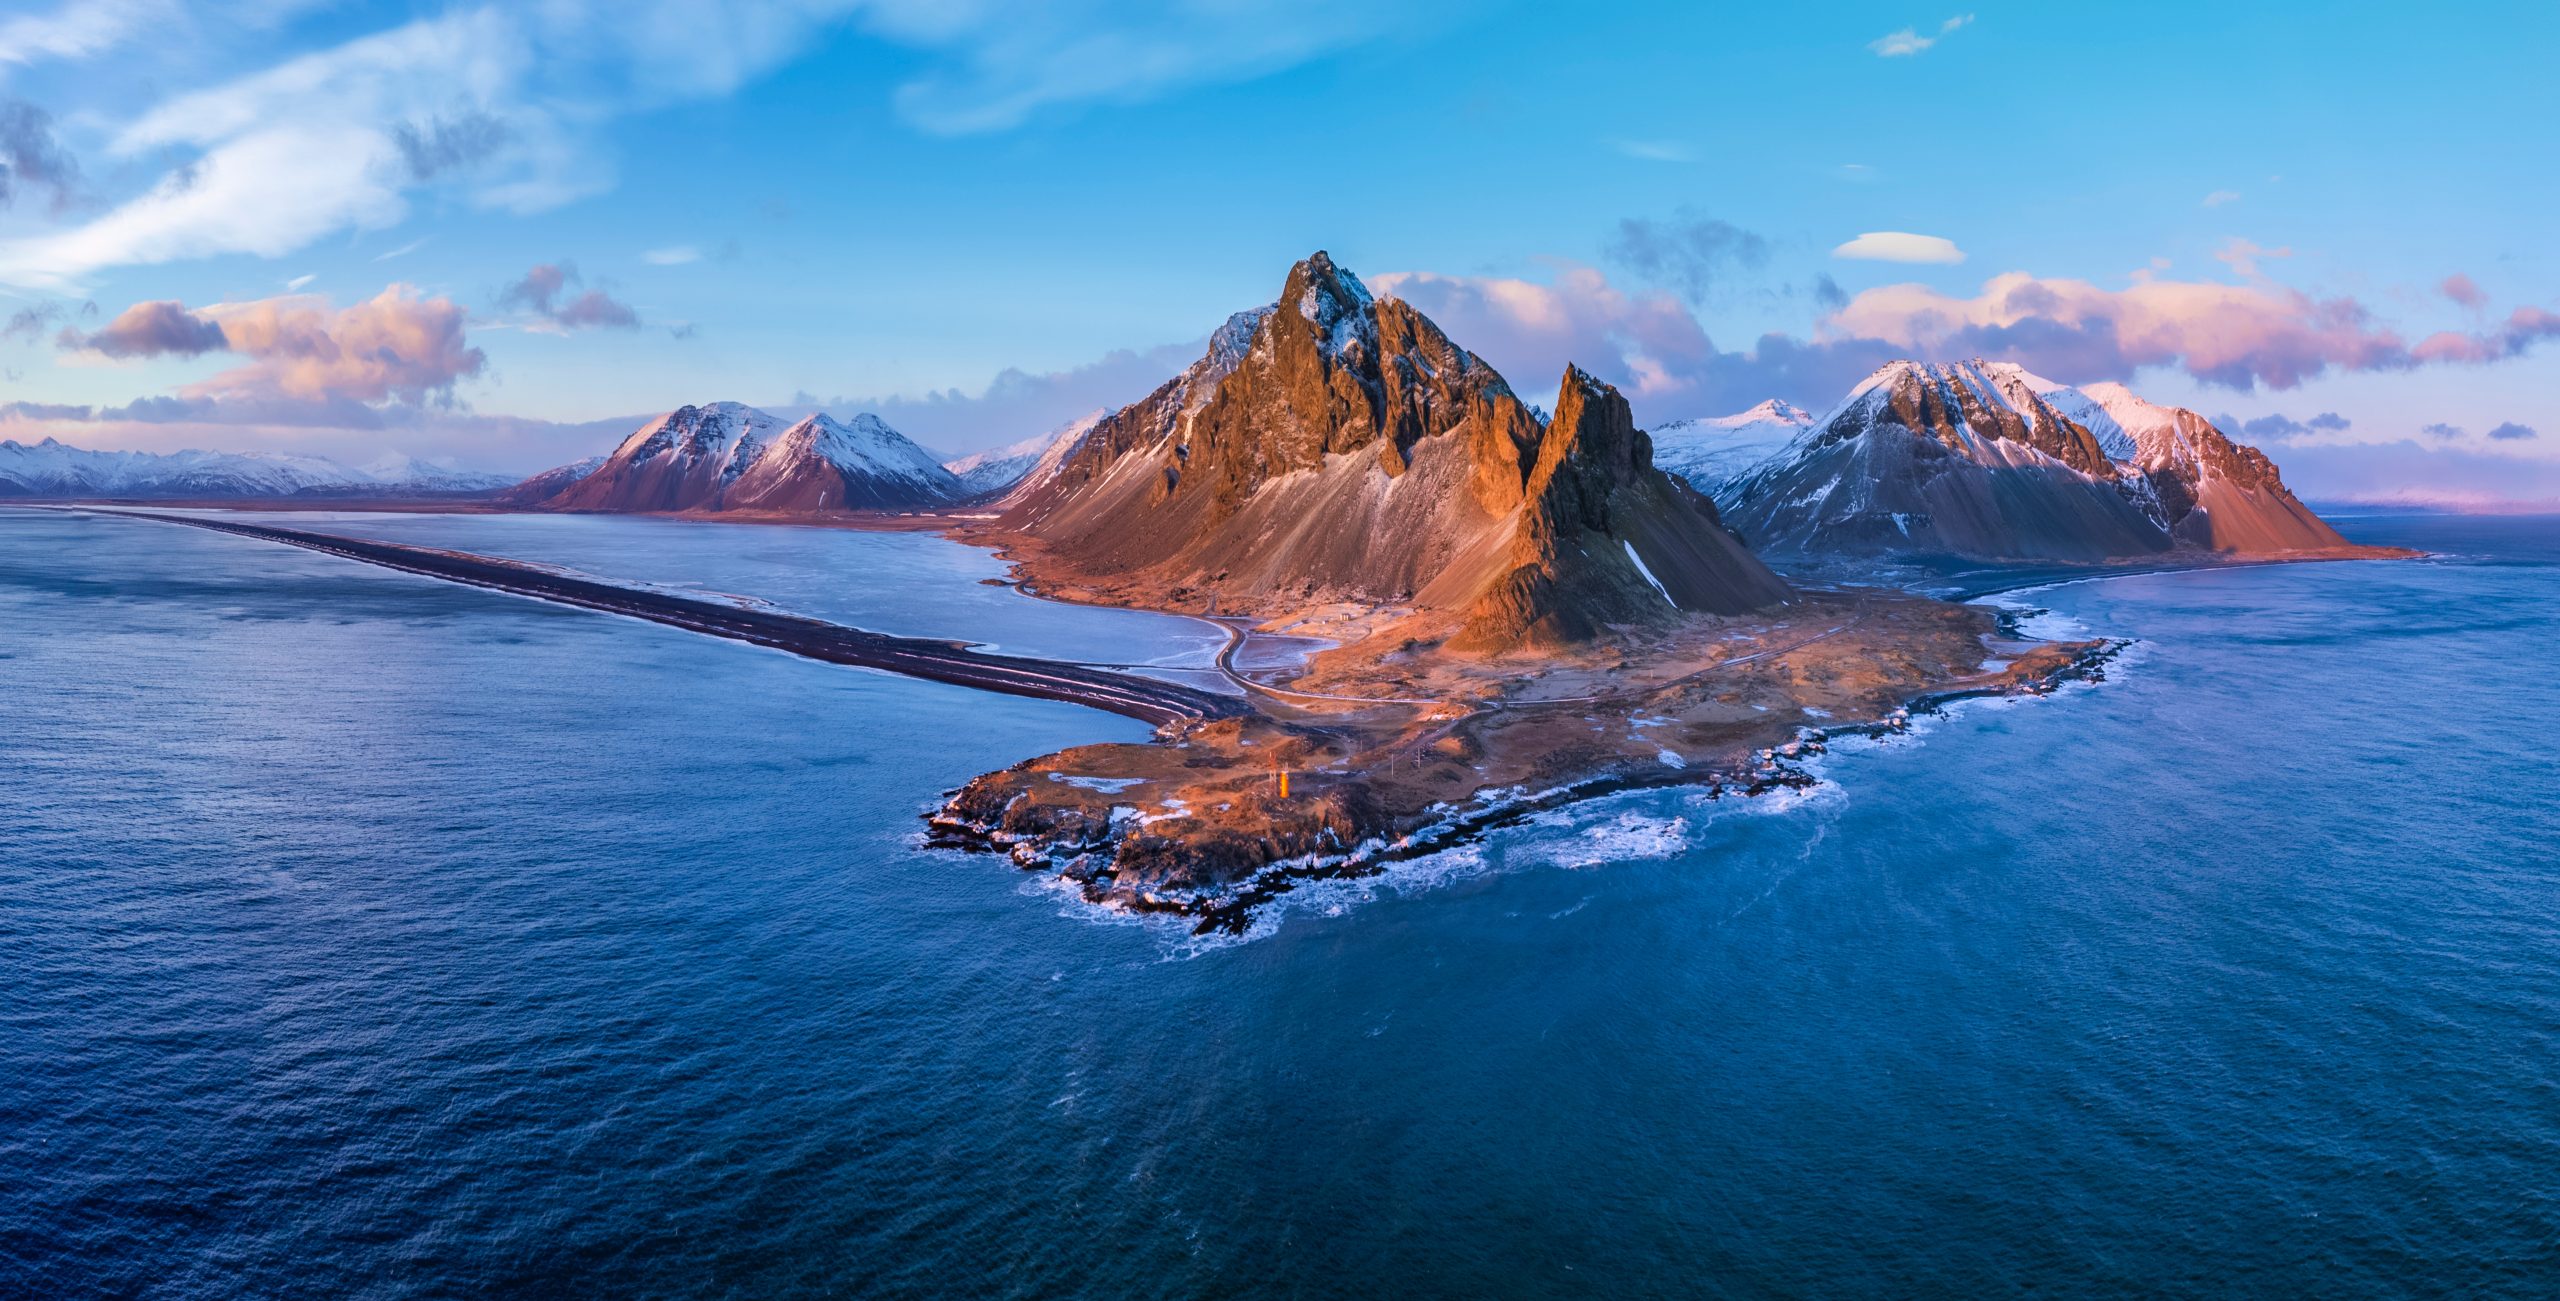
[(1334, 445), (727, 456), (1710, 451), (1034, 460), (1989, 461), (731, 457), (52, 469)]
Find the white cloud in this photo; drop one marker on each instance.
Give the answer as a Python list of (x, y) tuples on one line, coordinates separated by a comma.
[(85, 29), (672, 257), (1656, 151), (295, 285), (403, 251), (1002, 63), (504, 105), (79, 29), (268, 192), (2221, 197), (1899, 246), (1907, 42), (2242, 256)]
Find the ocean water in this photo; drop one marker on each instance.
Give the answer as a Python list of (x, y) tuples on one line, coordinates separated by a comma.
[(366, 936)]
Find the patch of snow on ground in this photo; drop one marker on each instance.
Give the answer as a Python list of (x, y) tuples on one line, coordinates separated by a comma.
[(1106, 785)]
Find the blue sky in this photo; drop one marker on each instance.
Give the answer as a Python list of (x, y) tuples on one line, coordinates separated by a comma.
[(475, 229)]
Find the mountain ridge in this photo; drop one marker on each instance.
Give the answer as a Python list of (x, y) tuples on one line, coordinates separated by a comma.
[(51, 468), (1339, 446), (728, 456), (1987, 460)]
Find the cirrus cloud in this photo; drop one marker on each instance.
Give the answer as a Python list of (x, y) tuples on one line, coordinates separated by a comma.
[(505, 106), (1907, 42)]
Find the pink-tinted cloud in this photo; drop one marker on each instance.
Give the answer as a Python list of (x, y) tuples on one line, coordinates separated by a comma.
[(541, 290), (2524, 327), (2242, 256), (304, 352), (154, 329), (1645, 342), (2237, 336), (2460, 289)]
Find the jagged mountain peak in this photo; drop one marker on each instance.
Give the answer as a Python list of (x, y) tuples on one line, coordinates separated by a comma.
[(1987, 412), (1353, 449), (1333, 300), (1771, 410)]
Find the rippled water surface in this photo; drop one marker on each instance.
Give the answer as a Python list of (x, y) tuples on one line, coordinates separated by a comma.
[(365, 935)]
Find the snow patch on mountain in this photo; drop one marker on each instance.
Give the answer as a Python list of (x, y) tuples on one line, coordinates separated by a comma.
[(1990, 460), (1714, 451), (731, 456), (1031, 461), (53, 468)]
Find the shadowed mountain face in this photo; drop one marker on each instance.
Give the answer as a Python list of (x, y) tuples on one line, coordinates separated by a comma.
[(726, 456), (1603, 537), (1987, 461), (1335, 445)]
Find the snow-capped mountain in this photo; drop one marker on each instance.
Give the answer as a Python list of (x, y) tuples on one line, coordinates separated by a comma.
[(2215, 492), (1712, 451), (731, 456), (53, 469), (1011, 468), (438, 474), (1987, 460), (1336, 445), (550, 483)]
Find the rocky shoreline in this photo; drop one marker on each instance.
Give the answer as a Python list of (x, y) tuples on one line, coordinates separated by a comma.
[(1056, 815)]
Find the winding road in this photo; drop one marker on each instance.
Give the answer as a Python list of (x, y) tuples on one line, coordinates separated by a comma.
[(1145, 699)]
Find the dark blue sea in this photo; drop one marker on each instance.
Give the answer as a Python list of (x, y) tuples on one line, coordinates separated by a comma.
[(366, 936)]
